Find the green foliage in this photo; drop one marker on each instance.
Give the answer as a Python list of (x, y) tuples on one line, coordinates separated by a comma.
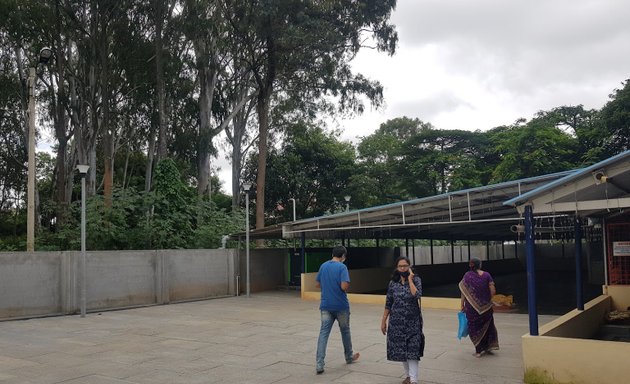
[(297, 55), (381, 161), (536, 148), (437, 161), (311, 166), (169, 217), (540, 376), (615, 122)]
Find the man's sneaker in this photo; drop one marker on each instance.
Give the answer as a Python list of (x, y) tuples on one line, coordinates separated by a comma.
[(319, 370)]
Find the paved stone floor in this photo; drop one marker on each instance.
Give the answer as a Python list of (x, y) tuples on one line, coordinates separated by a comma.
[(267, 338)]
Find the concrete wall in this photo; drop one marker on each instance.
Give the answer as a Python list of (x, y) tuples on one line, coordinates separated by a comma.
[(563, 353), (48, 283), (35, 283), (268, 269), (567, 360), (620, 295), (579, 324)]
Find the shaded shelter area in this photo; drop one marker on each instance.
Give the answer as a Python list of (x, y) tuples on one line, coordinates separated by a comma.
[(597, 197), (567, 207)]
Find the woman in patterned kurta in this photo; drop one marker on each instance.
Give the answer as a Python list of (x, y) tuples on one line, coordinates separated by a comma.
[(405, 340)]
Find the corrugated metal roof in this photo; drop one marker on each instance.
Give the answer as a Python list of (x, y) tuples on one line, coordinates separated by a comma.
[(593, 190), (482, 213)]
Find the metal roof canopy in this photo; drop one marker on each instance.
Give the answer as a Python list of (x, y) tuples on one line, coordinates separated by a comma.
[(595, 191), (482, 213), (474, 214)]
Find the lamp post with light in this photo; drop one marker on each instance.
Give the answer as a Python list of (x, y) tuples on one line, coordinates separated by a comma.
[(44, 56), (347, 199), (246, 187), (83, 170)]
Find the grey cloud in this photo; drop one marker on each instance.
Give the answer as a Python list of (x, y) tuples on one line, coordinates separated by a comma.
[(427, 109), (521, 45)]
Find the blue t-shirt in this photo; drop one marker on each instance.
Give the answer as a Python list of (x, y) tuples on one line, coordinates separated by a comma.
[(330, 276)]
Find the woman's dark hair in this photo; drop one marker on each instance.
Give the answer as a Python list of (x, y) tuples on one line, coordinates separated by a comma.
[(475, 263), (395, 275)]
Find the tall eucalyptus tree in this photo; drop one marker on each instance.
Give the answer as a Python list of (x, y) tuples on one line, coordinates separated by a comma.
[(304, 48)]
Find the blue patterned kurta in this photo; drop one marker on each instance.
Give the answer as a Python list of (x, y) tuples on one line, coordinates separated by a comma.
[(405, 340)]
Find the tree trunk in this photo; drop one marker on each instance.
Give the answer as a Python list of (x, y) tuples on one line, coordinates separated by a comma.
[(207, 82), (106, 124), (148, 175), (262, 108), (59, 104), (159, 73)]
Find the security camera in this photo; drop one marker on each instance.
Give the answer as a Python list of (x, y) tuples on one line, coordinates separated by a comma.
[(600, 177)]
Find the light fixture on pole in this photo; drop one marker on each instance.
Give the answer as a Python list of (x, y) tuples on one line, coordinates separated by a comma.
[(44, 56), (347, 199), (83, 170), (246, 187), (293, 201)]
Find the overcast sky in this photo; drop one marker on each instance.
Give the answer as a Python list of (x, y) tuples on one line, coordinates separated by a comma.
[(478, 64)]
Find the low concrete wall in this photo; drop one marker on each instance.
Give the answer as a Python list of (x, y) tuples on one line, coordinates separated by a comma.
[(370, 280), (48, 283), (563, 353), (36, 283), (579, 324), (620, 295)]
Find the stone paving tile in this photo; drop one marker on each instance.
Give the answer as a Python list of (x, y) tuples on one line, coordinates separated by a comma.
[(268, 338), (96, 379)]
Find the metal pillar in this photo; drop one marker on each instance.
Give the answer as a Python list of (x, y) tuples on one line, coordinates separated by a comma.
[(83, 255), (247, 282), (579, 294), (303, 251), (531, 270)]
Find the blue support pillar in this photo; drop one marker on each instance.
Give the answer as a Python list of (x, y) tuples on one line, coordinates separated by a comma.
[(303, 251), (531, 270), (579, 294)]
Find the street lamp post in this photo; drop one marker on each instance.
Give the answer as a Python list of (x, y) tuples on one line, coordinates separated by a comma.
[(293, 201), (246, 187), (44, 56), (347, 199), (83, 170)]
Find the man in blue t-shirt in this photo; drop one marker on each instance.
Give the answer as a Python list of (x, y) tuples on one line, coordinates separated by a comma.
[(334, 280)]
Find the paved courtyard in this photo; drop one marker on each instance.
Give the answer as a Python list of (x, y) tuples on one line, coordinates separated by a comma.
[(267, 338)]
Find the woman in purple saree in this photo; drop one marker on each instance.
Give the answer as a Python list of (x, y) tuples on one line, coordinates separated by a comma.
[(477, 289)]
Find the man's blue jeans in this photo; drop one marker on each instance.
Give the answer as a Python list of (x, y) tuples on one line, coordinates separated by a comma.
[(328, 318)]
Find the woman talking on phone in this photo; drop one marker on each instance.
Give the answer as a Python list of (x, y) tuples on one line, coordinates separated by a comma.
[(405, 340)]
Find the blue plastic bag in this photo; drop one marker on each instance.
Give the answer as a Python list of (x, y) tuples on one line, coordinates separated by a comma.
[(462, 331)]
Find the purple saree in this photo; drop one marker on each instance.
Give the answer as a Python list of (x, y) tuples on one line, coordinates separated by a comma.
[(478, 308)]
